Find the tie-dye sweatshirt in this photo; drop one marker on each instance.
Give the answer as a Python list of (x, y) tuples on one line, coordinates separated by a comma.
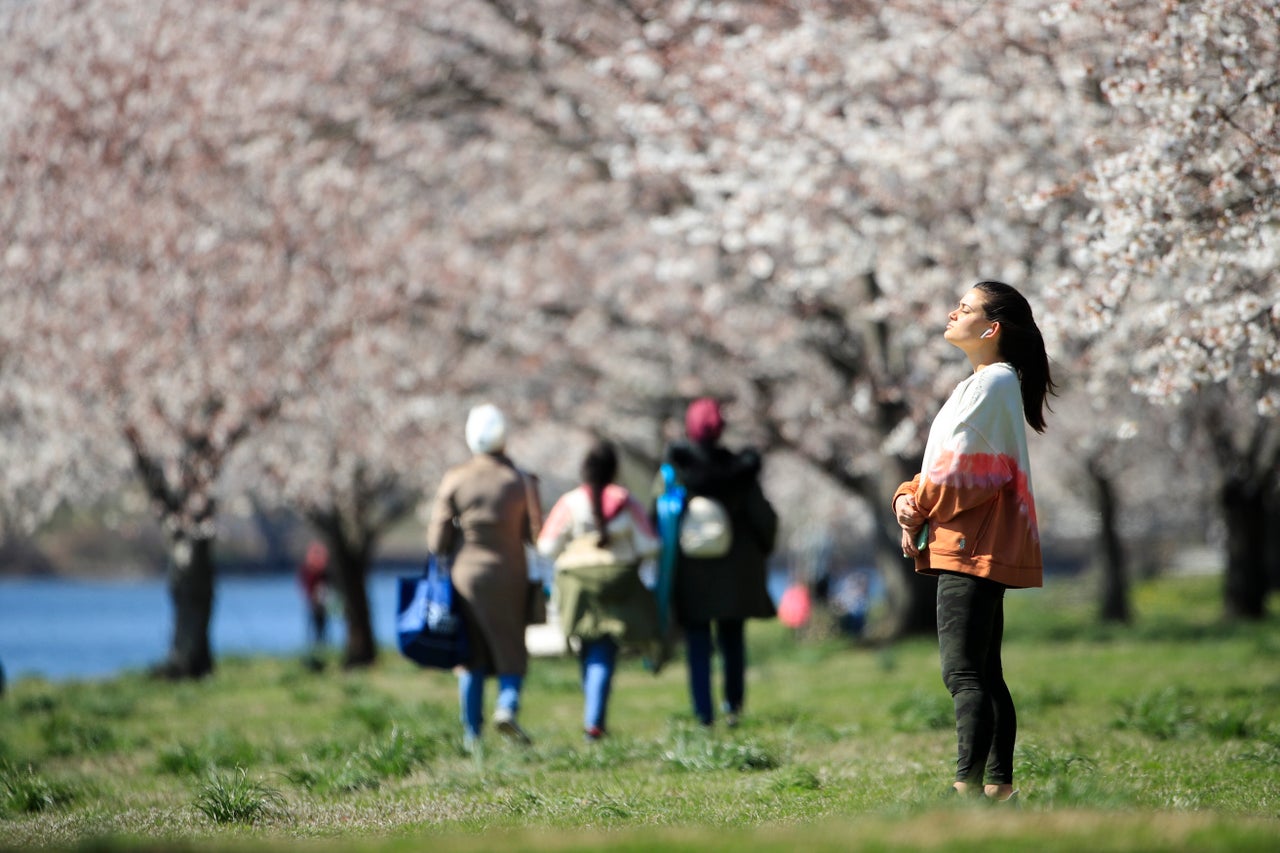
[(975, 484)]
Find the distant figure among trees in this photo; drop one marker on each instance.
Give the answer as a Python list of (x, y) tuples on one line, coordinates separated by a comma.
[(313, 576)]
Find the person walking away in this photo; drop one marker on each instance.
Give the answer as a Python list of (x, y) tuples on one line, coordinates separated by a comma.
[(714, 596), (598, 534), (482, 516), (313, 577), (969, 517)]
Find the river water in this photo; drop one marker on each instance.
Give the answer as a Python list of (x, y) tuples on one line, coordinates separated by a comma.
[(62, 629)]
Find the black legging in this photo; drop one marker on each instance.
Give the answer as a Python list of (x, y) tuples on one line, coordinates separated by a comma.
[(970, 629)]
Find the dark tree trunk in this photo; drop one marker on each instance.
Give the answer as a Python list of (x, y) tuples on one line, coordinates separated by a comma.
[(187, 508), (191, 590), (911, 598), (1249, 458), (1244, 505), (1110, 554), (1273, 540), (352, 529), (352, 565), (350, 554)]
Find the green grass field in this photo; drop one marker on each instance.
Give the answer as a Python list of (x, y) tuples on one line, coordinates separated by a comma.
[(1161, 736)]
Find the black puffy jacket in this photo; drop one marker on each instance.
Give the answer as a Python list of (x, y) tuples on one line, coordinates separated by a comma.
[(734, 586)]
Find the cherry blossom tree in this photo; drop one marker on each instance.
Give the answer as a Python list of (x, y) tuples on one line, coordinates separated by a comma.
[(177, 260), (1180, 246), (242, 193), (357, 452), (526, 202), (351, 461)]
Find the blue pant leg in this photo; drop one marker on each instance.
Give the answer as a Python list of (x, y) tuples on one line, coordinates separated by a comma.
[(697, 645), (471, 699), (509, 692), (598, 662)]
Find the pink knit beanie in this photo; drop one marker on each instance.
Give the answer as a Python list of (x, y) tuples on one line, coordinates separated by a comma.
[(703, 421)]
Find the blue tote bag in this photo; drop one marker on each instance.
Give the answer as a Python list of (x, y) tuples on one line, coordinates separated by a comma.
[(429, 626)]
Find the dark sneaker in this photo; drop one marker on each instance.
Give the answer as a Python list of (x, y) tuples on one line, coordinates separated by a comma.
[(505, 722), (593, 734)]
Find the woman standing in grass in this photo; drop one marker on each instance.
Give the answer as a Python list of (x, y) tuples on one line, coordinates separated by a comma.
[(969, 517)]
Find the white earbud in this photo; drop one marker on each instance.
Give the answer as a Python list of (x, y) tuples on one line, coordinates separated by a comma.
[(988, 333)]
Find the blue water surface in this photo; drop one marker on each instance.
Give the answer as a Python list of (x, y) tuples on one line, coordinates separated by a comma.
[(61, 629), (65, 629)]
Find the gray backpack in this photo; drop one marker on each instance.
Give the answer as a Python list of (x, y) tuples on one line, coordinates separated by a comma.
[(705, 531)]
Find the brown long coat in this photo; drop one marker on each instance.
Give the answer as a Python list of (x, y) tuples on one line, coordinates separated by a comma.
[(481, 512)]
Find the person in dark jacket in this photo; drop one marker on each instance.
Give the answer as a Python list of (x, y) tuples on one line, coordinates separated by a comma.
[(713, 597)]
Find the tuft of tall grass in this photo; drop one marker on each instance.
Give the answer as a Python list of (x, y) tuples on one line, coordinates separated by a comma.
[(791, 779), (522, 802), (1164, 714), (1237, 723), (398, 755), (371, 712), (611, 753), (699, 754), (218, 749), (184, 759), (604, 807), (1262, 754), (319, 777), (1176, 712), (235, 798), (67, 734), (23, 791), (923, 711), (1054, 771), (36, 703), (341, 767)]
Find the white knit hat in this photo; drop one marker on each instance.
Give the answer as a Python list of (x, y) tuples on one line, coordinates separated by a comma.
[(486, 429)]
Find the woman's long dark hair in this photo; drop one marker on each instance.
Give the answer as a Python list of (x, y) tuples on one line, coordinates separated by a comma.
[(1022, 345), (599, 467)]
